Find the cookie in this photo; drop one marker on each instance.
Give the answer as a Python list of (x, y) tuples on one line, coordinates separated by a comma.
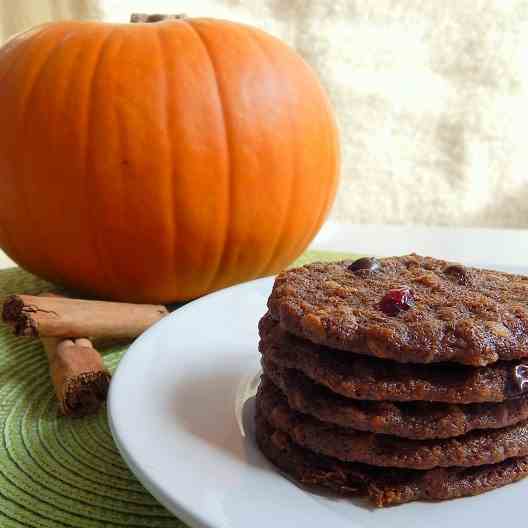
[(473, 449), (382, 486), (417, 420), (409, 309), (366, 378)]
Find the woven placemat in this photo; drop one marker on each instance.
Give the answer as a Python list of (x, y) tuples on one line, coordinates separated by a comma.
[(57, 471)]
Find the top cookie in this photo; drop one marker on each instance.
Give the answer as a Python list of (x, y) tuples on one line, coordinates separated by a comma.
[(411, 309)]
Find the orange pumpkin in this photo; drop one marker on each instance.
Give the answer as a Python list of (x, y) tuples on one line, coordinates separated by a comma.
[(160, 161)]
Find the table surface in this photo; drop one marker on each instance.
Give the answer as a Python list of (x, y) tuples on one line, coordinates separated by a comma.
[(485, 247), (55, 471)]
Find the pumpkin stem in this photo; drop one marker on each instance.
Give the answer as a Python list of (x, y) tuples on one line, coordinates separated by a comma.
[(144, 17)]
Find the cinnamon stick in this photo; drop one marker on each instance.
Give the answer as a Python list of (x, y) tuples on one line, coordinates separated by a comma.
[(36, 316), (78, 375)]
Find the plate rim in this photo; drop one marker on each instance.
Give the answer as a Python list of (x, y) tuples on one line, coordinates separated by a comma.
[(184, 513)]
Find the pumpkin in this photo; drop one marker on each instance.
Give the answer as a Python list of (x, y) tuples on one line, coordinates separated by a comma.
[(156, 162)]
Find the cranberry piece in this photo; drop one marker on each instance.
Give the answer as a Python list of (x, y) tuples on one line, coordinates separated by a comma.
[(365, 264), (397, 300)]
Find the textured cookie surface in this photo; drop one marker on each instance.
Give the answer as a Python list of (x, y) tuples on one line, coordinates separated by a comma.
[(382, 486), (418, 420), (460, 314), (367, 378), (473, 449)]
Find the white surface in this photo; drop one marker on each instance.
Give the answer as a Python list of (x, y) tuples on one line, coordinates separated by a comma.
[(503, 247), (179, 413), (5, 261), (486, 247)]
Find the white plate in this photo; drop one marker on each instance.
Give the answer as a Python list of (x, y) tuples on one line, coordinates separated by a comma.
[(180, 411)]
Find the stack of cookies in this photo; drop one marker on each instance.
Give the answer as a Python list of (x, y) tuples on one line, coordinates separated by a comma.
[(400, 379)]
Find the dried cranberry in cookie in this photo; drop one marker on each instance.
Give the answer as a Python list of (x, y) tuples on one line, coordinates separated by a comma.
[(397, 300)]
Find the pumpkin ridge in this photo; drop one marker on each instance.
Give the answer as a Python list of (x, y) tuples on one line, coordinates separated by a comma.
[(168, 144), (121, 210), (314, 228), (6, 235), (289, 193), (88, 166), (317, 219), (333, 143), (23, 124), (61, 95), (229, 201)]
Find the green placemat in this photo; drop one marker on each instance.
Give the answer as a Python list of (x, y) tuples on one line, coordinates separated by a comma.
[(57, 471)]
